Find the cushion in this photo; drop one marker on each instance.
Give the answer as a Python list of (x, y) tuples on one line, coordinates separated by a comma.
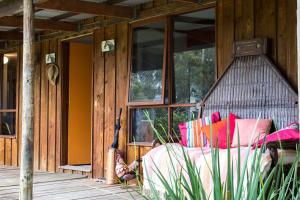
[(246, 127), (222, 136), (215, 128), (191, 133), (215, 117), (288, 134)]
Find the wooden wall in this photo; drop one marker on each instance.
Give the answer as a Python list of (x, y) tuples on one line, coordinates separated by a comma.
[(9, 147), (110, 80), (47, 112), (236, 19), (245, 19)]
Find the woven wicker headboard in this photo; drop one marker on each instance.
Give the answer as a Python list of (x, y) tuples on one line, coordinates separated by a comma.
[(252, 87)]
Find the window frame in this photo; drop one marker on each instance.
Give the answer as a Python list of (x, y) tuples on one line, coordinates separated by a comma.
[(16, 110), (169, 71), (164, 66)]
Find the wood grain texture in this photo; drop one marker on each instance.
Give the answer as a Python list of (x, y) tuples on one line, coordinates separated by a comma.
[(133, 153), (44, 111), (17, 22), (20, 106), (143, 151), (110, 93), (88, 8), (52, 116), (121, 80), (37, 108), (282, 36), (244, 19), (291, 64), (98, 106), (2, 151), (14, 152), (59, 102), (265, 24), (225, 34), (27, 152), (8, 151)]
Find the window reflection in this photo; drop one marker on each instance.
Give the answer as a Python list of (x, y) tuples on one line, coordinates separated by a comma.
[(142, 119), (147, 63), (181, 115), (194, 55), (8, 81)]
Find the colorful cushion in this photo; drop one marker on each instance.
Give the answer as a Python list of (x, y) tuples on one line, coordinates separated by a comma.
[(288, 134), (213, 130), (246, 127), (191, 133), (215, 117), (222, 136)]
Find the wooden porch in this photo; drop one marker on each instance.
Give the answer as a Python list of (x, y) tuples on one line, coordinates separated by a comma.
[(62, 186)]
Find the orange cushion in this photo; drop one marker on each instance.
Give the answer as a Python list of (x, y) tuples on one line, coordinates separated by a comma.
[(215, 127)]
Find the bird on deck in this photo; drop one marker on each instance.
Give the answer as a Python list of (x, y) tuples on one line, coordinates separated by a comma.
[(125, 172)]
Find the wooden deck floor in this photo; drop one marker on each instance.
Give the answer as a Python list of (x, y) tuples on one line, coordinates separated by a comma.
[(49, 186)]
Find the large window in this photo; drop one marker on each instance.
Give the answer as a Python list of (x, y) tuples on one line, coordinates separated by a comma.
[(173, 65), (8, 88)]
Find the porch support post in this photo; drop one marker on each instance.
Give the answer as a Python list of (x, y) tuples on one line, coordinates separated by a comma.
[(26, 168)]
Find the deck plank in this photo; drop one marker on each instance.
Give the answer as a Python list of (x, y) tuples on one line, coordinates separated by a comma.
[(58, 186)]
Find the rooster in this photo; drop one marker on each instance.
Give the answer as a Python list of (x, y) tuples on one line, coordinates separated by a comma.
[(125, 172)]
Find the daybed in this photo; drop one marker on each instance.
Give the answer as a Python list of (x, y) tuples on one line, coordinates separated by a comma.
[(252, 88)]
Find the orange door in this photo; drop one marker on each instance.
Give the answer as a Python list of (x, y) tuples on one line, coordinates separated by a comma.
[(79, 118)]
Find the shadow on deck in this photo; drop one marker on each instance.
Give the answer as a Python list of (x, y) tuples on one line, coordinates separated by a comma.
[(62, 186)]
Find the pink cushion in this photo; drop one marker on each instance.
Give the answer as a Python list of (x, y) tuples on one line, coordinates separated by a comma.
[(290, 133), (246, 127), (215, 117), (222, 136)]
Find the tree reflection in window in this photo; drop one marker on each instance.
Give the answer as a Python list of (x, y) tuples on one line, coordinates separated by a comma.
[(190, 41), (147, 63), (194, 55), (141, 123)]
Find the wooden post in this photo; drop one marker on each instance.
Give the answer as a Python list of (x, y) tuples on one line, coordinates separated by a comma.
[(298, 52), (26, 168)]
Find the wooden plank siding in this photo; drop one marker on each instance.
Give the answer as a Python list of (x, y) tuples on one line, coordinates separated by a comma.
[(110, 93), (52, 117), (275, 20), (235, 20), (37, 110), (44, 111), (98, 109)]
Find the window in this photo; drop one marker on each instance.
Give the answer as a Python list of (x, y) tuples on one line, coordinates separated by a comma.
[(146, 78), (8, 88), (194, 55), (190, 71), (142, 118)]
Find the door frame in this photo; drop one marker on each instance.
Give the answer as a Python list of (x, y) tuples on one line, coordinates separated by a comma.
[(64, 76)]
